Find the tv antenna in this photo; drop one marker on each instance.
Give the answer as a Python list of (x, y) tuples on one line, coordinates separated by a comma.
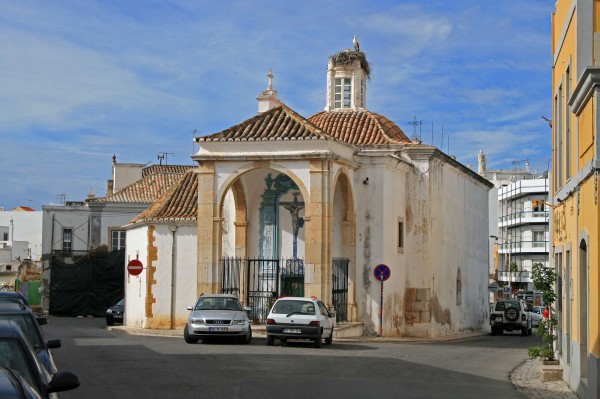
[(164, 156)]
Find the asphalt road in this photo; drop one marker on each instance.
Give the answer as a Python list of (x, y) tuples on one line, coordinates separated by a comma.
[(118, 365)]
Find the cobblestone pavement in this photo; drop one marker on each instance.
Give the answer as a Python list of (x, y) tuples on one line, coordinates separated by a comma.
[(526, 379)]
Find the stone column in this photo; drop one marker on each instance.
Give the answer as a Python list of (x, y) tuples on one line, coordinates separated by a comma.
[(209, 231), (318, 233)]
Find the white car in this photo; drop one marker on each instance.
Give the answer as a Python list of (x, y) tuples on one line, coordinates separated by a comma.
[(536, 315), (300, 318), (217, 315)]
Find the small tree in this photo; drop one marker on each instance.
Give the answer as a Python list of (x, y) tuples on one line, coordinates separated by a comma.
[(543, 280)]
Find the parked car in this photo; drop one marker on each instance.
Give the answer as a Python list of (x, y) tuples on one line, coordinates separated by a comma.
[(300, 318), (510, 315), (22, 373), (17, 297), (26, 321), (217, 315), (536, 315), (115, 313)]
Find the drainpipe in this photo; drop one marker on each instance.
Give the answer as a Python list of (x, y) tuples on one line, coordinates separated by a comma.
[(173, 230)]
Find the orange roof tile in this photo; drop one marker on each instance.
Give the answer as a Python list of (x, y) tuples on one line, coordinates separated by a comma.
[(359, 127), (279, 123), (180, 202)]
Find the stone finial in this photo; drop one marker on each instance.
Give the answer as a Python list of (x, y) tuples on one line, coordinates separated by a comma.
[(481, 163), (268, 98)]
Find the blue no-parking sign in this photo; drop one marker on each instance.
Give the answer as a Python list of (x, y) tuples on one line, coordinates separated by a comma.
[(382, 272)]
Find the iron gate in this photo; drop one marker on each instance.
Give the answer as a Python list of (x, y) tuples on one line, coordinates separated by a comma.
[(269, 279), (340, 288), (230, 279)]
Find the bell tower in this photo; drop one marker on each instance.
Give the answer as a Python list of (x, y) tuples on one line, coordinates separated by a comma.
[(347, 74)]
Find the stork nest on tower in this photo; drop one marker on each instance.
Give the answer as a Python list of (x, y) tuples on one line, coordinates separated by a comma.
[(347, 58)]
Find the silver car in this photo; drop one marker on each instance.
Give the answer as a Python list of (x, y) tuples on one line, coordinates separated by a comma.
[(217, 315)]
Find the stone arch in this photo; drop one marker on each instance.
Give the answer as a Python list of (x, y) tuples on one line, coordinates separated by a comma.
[(343, 233), (237, 174)]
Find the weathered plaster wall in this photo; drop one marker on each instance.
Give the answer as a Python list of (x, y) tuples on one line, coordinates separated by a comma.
[(446, 229)]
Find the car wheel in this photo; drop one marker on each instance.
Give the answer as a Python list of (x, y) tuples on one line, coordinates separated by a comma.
[(494, 331), (110, 321), (524, 331), (329, 339), (283, 341), (270, 340), (246, 338), (317, 343), (186, 336)]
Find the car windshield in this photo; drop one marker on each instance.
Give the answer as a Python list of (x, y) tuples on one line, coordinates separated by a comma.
[(218, 303), (507, 305), (296, 307), (12, 356), (27, 324)]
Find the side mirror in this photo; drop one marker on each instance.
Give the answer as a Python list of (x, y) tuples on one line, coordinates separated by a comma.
[(53, 344), (41, 320), (190, 308), (247, 309), (332, 315), (63, 381)]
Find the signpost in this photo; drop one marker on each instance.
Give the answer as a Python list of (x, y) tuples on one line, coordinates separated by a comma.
[(493, 287), (382, 273), (135, 267)]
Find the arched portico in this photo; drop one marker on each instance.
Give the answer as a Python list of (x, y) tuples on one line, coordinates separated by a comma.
[(274, 217)]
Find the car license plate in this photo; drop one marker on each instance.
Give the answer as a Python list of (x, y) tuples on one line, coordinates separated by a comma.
[(292, 331), (217, 329)]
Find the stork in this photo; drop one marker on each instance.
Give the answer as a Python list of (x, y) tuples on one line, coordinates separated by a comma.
[(355, 42)]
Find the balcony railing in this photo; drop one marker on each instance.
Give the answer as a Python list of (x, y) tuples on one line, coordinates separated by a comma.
[(523, 217), (524, 246), (515, 277)]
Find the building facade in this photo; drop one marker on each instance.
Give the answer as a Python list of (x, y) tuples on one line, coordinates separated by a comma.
[(575, 212), (287, 205)]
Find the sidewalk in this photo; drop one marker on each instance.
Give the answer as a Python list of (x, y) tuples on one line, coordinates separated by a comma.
[(525, 378)]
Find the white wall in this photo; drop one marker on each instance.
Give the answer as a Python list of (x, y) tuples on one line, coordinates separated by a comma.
[(135, 286), (446, 228), (178, 248), (26, 226)]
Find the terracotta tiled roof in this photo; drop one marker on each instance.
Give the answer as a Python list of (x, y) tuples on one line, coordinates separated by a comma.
[(23, 208), (156, 179), (279, 123), (145, 191), (359, 127), (180, 202), (181, 169)]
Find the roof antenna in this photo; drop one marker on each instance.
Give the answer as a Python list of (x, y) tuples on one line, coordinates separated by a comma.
[(165, 156)]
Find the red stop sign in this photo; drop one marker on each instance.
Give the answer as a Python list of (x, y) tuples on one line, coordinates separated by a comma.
[(135, 267)]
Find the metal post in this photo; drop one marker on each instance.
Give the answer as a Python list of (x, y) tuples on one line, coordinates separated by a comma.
[(381, 312)]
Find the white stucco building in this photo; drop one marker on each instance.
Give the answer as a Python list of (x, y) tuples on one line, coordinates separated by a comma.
[(519, 227), (284, 205)]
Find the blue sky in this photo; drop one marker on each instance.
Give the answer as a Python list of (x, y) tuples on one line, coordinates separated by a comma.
[(82, 80)]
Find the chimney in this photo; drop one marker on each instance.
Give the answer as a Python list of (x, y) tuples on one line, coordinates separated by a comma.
[(109, 188)]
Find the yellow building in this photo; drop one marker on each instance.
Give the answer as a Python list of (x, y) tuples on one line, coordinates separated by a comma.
[(575, 189)]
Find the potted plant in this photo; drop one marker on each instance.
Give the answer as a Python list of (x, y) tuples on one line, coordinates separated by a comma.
[(543, 280)]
